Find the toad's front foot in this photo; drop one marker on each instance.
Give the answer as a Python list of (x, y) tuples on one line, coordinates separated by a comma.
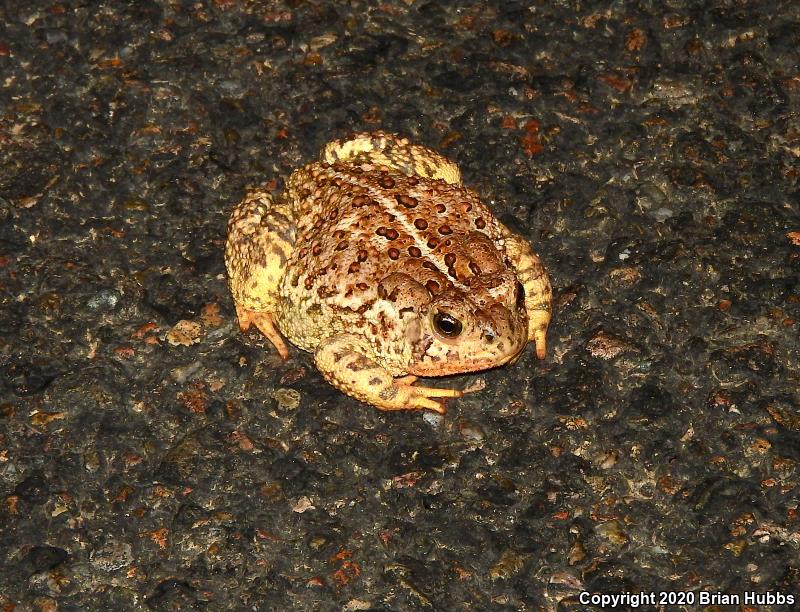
[(403, 395), (265, 324), (343, 363)]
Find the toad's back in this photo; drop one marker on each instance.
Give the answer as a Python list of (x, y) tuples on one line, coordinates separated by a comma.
[(357, 224)]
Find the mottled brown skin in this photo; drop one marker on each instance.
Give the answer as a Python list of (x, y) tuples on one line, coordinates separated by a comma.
[(381, 263)]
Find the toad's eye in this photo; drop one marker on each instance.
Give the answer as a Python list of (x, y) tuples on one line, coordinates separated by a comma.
[(447, 325), (520, 295)]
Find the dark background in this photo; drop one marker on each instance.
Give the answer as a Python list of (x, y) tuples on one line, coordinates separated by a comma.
[(150, 455)]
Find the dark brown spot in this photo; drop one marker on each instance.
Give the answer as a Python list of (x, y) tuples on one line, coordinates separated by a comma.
[(362, 286), (413, 180), (381, 231), (301, 254), (420, 224), (342, 245), (450, 259), (339, 234), (308, 284), (359, 364), (480, 223), (448, 242), (333, 215), (354, 267), (389, 393), (394, 253), (391, 234), (316, 249), (467, 206), (445, 230), (278, 253), (361, 255), (452, 272), (432, 286), (433, 243), (392, 297), (440, 208), (305, 193), (406, 200), (360, 200), (430, 265), (414, 251), (474, 268), (387, 182)]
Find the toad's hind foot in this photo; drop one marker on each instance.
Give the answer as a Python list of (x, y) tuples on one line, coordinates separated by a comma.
[(538, 290), (539, 319), (261, 235), (265, 324)]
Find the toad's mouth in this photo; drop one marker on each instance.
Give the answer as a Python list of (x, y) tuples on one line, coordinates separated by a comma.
[(455, 363)]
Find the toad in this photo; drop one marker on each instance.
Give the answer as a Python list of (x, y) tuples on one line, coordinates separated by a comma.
[(379, 261)]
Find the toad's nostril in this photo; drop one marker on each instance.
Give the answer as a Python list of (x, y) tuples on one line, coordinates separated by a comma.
[(489, 335)]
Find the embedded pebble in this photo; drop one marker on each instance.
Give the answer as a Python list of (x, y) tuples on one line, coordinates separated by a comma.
[(104, 299), (287, 399), (185, 333)]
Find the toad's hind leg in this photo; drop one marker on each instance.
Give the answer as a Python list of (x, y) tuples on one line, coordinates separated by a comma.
[(261, 235), (394, 152), (538, 291)]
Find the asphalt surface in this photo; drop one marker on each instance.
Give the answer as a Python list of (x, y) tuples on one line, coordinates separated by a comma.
[(153, 457)]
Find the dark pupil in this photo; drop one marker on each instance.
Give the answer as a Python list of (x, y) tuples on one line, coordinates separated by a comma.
[(447, 325), (520, 295)]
